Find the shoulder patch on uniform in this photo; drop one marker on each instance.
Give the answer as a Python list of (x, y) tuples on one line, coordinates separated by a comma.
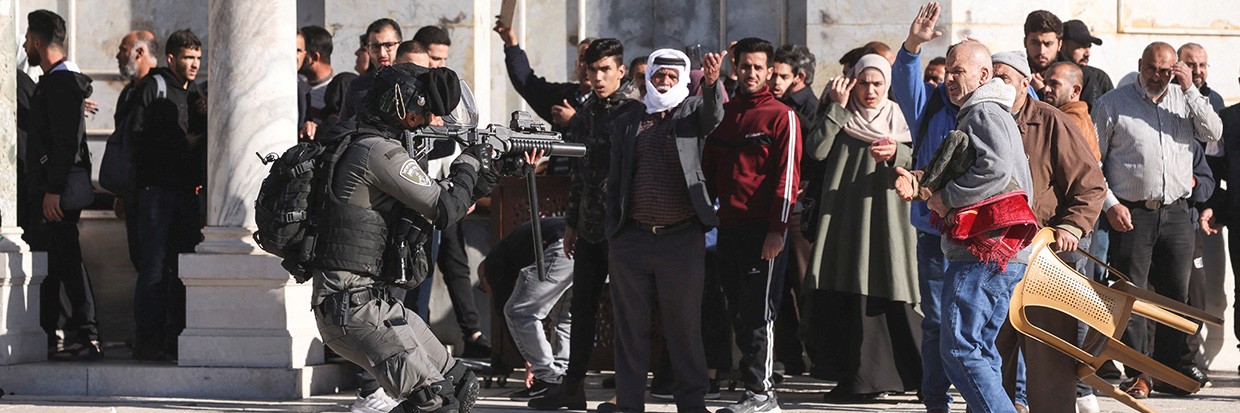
[(413, 173)]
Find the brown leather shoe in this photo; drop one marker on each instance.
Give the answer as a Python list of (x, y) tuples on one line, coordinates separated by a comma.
[(1162, 387), (1020, 408), (1139, 387)]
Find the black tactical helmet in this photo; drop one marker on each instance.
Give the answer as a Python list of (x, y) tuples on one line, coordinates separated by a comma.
[(403, 88)]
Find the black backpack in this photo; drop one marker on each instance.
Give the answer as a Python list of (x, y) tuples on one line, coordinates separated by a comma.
[(287, 201), (116, 169)]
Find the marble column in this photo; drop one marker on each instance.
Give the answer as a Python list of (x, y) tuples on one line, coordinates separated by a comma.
[(253, 109), (243, 309), (21, 271)]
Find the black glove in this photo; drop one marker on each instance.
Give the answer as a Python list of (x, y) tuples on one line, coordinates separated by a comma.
[(486, 180), (513, 166), (481, 152)]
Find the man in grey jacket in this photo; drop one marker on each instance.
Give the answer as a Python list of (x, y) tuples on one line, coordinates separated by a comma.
[(657, 213), (976, 292)]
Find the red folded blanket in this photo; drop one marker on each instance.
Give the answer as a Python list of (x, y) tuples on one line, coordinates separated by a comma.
[(994, 229)]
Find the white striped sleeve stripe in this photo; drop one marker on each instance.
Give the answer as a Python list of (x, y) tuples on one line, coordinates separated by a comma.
[(788, 168)]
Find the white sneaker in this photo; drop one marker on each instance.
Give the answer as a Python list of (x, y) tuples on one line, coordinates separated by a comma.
[(1087, 404), (377, 402)]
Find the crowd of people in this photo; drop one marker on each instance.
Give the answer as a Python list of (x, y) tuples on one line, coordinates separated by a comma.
[(155, 165), (720, 196)]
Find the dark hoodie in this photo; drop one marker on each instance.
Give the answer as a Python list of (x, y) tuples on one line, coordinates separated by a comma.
[(592, 126), (57, 128), (162, 155)]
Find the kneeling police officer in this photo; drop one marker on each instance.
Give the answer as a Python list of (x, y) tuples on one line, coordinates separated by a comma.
[(375, 187)]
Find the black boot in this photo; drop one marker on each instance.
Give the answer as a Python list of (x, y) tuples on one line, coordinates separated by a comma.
[(570, 394), (479, 348), (434, 398)]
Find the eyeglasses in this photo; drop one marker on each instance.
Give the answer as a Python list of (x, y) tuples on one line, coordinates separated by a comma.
[(1197, 65), (388, 45), (1159, 71)]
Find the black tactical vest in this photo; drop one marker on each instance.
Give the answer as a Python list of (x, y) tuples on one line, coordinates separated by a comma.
[(350, 238)]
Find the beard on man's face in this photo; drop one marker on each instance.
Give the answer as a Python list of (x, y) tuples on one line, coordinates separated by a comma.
[(305, 67), (1151, 88), (32, 56), (129, 69)]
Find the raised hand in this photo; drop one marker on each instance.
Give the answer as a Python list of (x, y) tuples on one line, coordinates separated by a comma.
[(838, 89), (1182, 75), (922, 30), (506, 33), (711, 63), (1037, 82), (562, 113)]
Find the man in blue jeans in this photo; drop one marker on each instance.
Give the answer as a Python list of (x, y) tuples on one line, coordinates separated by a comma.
[(976, 291), (930, 116), (169, 165)]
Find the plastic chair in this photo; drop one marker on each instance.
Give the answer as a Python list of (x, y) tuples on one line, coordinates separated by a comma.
[(1052, 284)]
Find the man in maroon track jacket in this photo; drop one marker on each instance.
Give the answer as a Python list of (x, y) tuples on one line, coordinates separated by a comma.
[(751, 166)]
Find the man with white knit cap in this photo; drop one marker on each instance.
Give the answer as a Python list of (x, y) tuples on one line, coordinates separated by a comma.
[(657, 214)]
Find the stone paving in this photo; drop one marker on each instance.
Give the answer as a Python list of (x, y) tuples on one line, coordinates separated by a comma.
[(801, 394)]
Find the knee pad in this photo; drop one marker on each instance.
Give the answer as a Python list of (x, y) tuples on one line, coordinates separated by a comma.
[(456, 373), (465, 385)]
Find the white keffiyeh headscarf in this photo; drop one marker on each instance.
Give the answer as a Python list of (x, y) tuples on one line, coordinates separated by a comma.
[(672, 59)]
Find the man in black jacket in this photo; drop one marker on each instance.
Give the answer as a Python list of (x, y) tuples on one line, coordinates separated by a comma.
[(1076, 49), (135, 57), (167, 160), (56, 148), (584, 239), (552, 101), (1224, 207), (657, 210)]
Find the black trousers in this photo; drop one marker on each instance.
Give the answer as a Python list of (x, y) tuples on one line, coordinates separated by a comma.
[(1233, 249), (753, 291), (454, 264), (797, 250), (167, 225), (590, 266), (663, 273), (716, 330), (131, 227), (65, 272), (1157, 254)]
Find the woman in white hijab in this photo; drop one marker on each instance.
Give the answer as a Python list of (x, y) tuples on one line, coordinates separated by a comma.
[(862, 279)]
